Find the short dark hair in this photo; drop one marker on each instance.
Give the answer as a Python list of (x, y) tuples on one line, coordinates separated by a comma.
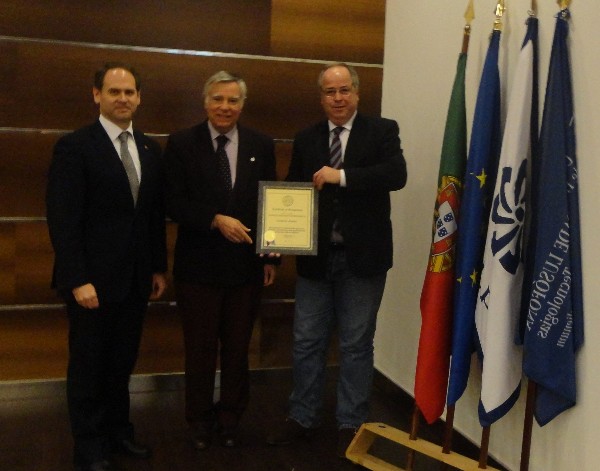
[(101, 73)]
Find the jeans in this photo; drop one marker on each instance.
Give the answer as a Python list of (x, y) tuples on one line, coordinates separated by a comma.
[(349, 303)]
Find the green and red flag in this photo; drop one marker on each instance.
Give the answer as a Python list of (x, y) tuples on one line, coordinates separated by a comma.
[(433, 361)]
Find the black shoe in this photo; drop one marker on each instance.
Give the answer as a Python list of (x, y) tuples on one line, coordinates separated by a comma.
[(104, 465), (129, 447), (345, 437), (201, 436), (287, 433), (229, 438)]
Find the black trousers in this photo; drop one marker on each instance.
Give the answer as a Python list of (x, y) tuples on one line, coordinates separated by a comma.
[(103, 348)]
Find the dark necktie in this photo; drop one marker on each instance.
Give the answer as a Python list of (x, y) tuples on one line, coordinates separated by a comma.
[(223, 163), (335, 160), (335, 150), (134, 183)]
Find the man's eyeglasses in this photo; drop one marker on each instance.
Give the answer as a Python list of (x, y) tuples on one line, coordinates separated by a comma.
[(332, 92)]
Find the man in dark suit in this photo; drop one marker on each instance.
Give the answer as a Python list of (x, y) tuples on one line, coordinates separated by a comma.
[(355, 161), (213, 170), (107, 225)]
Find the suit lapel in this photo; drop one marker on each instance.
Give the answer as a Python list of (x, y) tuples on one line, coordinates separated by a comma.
[(355, 142), (244, 162), (110, 157), (145, 162), (322, 143)]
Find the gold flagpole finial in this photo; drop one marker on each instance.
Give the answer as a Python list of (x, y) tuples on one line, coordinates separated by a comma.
[(469, 13), (499, 13), (564, 4), (533, 11), (469, 16)]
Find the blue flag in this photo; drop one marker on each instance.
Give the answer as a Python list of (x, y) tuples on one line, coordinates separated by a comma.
[(479, 183), (499, 300), (554, 318)]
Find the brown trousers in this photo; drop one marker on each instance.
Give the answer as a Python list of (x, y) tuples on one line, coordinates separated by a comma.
[(217, 324)]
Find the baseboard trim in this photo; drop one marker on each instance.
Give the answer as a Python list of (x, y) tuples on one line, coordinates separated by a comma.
[(139, 383)]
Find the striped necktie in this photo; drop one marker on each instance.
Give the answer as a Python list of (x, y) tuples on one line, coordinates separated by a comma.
[(335, 150)]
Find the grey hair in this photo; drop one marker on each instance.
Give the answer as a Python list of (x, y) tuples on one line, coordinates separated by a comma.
[(352, 70), (223, 77)]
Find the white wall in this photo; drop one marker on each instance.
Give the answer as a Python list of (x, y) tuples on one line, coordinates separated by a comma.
[(423, 40)]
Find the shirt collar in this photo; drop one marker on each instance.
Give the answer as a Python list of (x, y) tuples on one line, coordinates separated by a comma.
[(347, 125), (113, 130), (232, 135)]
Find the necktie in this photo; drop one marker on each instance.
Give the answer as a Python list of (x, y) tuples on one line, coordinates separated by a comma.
[(134, 183), (223, 164), (335, 150), (335, 160)]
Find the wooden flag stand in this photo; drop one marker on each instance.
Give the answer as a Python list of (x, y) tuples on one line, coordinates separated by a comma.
[(358, 451)]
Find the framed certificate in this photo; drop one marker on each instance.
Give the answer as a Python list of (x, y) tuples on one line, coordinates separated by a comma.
[(287, 218)]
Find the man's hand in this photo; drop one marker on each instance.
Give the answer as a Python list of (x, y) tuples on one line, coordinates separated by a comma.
[(86, 296), (270, 272), (232, 229), (159, 284), (326, 175)]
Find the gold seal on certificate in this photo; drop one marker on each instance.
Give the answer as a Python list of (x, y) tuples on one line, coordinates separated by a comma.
[(287, 218)]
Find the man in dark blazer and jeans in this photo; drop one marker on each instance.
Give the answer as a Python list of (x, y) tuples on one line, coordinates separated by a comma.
[(107, 226), (355, 161), (213, 170)]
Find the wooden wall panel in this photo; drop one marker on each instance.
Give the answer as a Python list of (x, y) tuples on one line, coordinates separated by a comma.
[(329, 30), (207, 25), (26, 260), (282, 96), (48, 54), (34, 343), (7, 263), (24, 165)]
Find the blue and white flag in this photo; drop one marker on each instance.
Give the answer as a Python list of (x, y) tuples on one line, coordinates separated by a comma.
[(499, 300), (554, 315), (480, 176)]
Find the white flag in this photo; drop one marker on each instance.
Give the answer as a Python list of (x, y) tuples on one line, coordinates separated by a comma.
[(499, 297)]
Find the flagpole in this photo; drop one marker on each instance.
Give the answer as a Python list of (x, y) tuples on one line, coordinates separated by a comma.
[(484, 446), (414, 428), (448, 431), (447, 438), (531, 385), (528, 425), (449, 424), (485, 432)]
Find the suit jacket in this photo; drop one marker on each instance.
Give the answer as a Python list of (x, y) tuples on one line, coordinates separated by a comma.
[(98, 235), (195, 195), (374, 166)]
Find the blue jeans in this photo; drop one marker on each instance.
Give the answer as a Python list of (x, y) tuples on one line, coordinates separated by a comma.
[(350, 303)]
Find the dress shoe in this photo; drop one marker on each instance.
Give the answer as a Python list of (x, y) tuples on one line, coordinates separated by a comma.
[(201, 436), (131, 448), (229, 438), (104, 465), (345, 437), (288, 432)]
